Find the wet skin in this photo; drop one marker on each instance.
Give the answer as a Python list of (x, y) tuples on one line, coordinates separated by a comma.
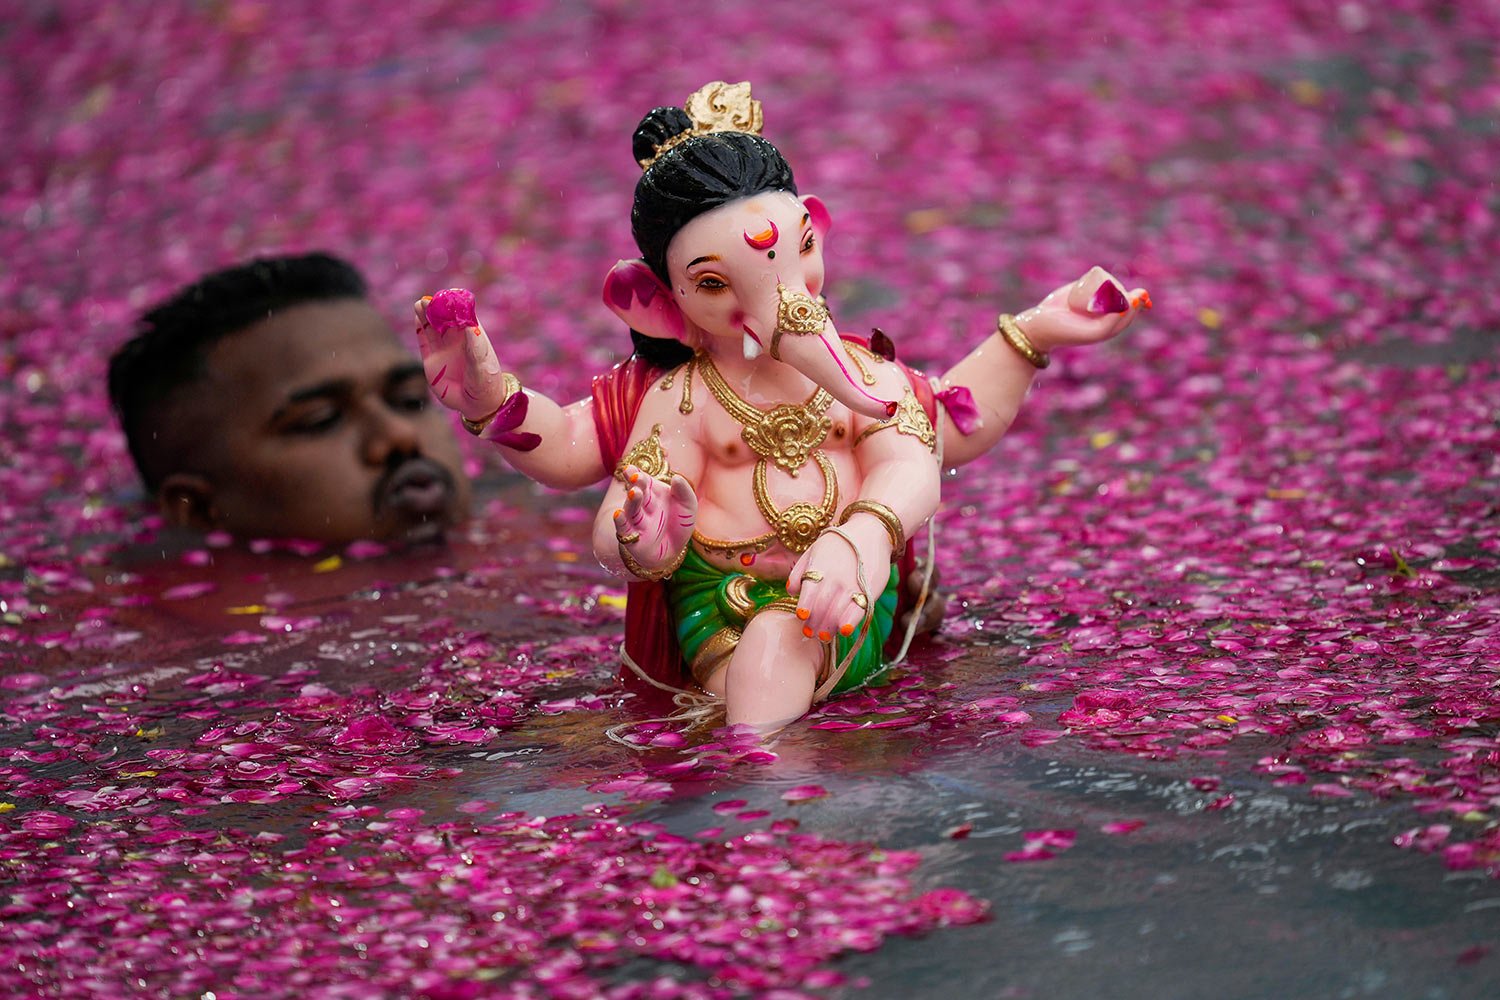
[(315, 423)]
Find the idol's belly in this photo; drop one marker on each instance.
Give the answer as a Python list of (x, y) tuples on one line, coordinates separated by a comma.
[(757, 518)]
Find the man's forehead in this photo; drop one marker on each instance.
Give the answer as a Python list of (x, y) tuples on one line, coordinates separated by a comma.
[(307, 344)]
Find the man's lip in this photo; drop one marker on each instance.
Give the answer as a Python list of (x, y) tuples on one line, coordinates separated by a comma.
[(416, 488)]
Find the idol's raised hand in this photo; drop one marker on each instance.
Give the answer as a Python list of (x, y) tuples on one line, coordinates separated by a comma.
[(457, 355), (1094, 308)]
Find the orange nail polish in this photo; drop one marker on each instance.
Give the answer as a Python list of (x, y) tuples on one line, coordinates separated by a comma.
[(807, 631), (846, 630), (804, 614), (619, 512), (824, 636), (633, 477)]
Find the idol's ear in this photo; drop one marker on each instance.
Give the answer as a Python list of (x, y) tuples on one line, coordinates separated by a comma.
[(817, 214), (186, 500), (633, 292)]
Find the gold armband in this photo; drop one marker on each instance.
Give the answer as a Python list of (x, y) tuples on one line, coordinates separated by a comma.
[(886, 516), (647, 455), (910, 419), (1008, 328), (511, 385)]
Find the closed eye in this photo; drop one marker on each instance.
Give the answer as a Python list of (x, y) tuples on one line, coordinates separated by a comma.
[(314, 409), (408, 394), (409, 402), (313, 421)]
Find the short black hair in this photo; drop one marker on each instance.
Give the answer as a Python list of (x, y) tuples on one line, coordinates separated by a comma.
[(172, 339)]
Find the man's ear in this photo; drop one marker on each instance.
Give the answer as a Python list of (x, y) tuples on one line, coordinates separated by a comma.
[(633, 292), (186, 500), (818, 214)]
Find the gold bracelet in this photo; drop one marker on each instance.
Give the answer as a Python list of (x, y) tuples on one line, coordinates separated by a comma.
[(1008, 328), (511, 385), (886, 516), (637, 570)]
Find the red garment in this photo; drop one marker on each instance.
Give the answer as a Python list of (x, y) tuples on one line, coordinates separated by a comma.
[(650, 639)]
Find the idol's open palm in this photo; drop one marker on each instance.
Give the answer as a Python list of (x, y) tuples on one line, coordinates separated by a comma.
[(457, 355)]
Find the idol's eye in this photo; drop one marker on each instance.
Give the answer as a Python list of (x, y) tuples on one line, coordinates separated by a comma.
[(809, 241), (711, 283)]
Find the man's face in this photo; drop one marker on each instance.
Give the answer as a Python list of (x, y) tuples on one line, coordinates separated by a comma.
[(316, 423)]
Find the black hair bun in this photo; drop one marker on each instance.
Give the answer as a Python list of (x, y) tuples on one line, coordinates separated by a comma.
[(659, 125)]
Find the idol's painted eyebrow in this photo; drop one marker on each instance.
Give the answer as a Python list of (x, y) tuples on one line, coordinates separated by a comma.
[(701, 260)]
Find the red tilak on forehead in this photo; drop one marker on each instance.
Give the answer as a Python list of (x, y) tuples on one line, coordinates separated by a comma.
[(764, 240)]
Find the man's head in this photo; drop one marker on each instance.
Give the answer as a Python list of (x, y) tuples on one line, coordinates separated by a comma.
[(273, 400)]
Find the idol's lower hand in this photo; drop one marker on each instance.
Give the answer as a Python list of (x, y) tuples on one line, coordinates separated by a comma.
[(1094, 308), (655, 525), (838, 580), (457, 355)]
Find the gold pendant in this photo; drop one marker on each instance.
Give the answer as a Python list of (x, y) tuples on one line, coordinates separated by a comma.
[(798, 525), (787, 435)]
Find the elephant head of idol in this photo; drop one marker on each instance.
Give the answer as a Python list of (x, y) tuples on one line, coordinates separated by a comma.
[(732, 257)]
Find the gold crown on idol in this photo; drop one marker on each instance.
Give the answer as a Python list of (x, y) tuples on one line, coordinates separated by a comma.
[(714, 107)]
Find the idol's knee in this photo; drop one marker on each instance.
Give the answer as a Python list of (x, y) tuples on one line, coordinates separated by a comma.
[(772, 675)]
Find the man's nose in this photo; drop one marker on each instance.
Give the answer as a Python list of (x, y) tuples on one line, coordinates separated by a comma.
[(389, 432)]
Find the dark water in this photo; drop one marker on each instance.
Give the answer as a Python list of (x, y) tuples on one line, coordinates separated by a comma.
[(1293, 460), (1274, 892)]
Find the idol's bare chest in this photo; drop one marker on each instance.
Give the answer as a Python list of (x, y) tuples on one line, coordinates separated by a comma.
[(782, 434)]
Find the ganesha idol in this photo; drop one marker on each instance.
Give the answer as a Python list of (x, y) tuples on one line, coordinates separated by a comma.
[(770, 474)]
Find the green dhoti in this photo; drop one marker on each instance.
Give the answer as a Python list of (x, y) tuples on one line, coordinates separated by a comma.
[(711, 606)]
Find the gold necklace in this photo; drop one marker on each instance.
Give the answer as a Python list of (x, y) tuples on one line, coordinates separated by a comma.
[(748, 548), (796, 527), (787, 434), (800, 524)]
